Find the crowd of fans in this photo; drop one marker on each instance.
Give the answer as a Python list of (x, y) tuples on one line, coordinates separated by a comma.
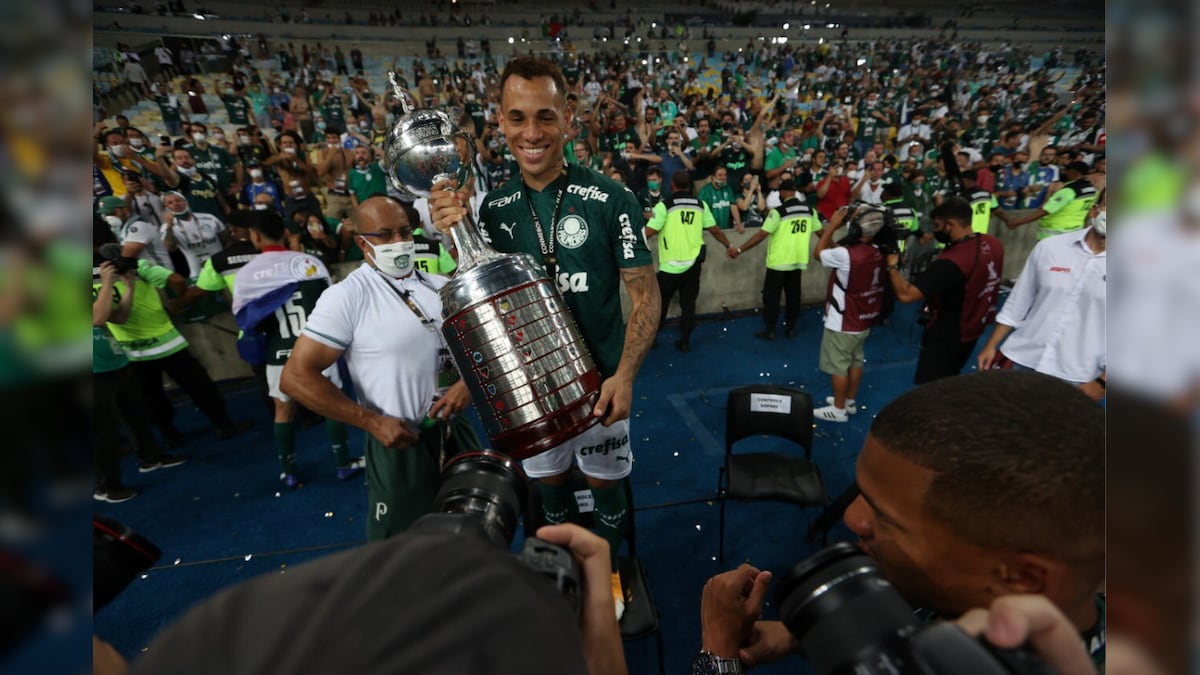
[(306, 129)]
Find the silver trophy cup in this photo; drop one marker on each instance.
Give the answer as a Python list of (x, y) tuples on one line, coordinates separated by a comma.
[(530, 374)]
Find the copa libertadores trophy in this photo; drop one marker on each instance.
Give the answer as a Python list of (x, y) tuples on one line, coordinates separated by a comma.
[(530, 374)]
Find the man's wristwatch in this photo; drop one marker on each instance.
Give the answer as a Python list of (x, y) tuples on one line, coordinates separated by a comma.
[(707, 663)]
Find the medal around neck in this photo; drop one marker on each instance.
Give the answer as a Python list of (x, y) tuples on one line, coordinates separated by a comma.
[(524, 360)]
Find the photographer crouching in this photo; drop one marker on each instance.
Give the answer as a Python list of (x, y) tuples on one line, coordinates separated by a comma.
[(972, 496), (445, 597)]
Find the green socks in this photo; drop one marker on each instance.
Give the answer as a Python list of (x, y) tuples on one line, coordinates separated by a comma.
[(336, 431), (558, 503), (285, 443), (611, 513)]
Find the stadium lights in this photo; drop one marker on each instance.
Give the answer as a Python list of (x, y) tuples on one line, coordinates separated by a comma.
[(511, 40), (821, 41), (786, 25), (861, 62), (199, 17), (654, 24), (807, 26), (831, 25)]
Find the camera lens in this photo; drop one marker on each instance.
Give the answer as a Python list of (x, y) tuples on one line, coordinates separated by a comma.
[(487, 487), (845, 615), (118, 555)]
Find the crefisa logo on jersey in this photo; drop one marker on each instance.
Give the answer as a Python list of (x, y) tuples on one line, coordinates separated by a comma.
[(588, 192), (571, 231), (628, 238)]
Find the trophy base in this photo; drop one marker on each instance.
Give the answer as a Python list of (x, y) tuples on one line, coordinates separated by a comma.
[(550, 431)]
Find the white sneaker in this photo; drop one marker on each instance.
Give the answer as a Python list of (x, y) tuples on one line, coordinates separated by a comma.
[(851, 408), (830, 414)]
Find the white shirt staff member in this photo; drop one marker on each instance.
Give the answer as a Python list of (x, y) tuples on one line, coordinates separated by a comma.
[(1054, 317), (385, 317)]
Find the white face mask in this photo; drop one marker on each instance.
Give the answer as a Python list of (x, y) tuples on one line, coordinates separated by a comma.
[(137, 143), (180, 214), (113, 221), (256, 173), (117, 150), (1100, 223), (243, 139), (289, 151), (198, 137), (394, 259), (261, 207), (218, 136), (187, 171)]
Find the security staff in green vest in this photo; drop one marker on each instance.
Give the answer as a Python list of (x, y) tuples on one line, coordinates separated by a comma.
[(679, 221), (1067, 209), (790, 226), (983, 204)]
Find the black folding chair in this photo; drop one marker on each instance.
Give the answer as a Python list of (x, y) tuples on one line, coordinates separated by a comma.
[(768, 476)]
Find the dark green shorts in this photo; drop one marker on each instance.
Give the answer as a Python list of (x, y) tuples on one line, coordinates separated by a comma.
[(401, 484)]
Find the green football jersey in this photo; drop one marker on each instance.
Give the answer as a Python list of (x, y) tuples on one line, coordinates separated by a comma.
[(284, 326), (597, 232)]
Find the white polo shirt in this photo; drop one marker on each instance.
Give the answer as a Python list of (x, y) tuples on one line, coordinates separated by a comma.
[(1057, 309), (392, 356)]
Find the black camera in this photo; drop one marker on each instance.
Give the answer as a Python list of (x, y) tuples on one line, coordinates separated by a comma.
[(886, 239), (848, 619), (119, 555), (482, 495), (121, 264)]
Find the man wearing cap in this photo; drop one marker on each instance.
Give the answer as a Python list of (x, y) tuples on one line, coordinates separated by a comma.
[(138, 238), (681, 220), (1067, 209), (853, 303), (790, 226)]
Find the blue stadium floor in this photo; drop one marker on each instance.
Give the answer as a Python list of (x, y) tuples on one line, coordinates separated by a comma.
[(223, 517)]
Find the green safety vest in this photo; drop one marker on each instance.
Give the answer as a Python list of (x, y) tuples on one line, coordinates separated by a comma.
[(680, 223), (982, 202), (430, 256), (1067, 209), (148, 334), (790, 225)]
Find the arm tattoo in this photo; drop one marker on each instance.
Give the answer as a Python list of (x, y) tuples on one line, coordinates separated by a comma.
[(642, 326)]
